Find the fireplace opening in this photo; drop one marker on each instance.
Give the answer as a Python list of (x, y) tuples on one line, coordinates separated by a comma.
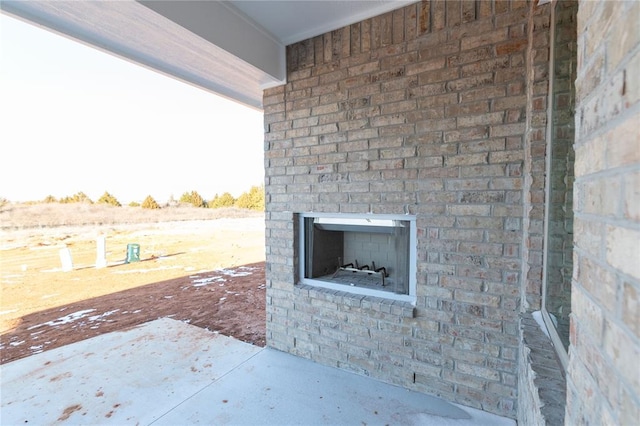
[(366, 254)]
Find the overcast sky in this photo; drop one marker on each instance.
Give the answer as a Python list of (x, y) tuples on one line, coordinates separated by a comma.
[(74, 119)]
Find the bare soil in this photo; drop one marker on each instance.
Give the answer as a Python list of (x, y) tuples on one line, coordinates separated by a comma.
[(209, 273)]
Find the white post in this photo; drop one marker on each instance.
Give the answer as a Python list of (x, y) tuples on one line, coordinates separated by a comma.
[(65, 258), (101, 252)]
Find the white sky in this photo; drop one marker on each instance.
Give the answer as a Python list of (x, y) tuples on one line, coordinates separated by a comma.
[(73, 118)]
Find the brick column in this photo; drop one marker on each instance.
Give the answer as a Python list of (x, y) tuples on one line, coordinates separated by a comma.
[(604, 370)]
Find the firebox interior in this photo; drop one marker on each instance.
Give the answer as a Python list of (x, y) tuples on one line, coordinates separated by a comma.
[(358, 252)]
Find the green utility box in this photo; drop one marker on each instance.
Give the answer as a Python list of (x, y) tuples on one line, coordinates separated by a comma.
[(133, 253)]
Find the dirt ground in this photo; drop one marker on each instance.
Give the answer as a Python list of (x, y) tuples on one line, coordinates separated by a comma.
[(209, 273)]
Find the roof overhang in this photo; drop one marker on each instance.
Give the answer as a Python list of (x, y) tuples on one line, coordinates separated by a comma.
[(235, 49), (206, 44)]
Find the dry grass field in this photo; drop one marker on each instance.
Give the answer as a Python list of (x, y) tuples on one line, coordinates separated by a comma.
[(16, 216), (202, 266)]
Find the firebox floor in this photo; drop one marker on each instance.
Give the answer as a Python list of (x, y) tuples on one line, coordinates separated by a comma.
[(166, 372), (373, 282)]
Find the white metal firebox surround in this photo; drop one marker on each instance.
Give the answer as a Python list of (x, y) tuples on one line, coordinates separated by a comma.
[(374, 219)]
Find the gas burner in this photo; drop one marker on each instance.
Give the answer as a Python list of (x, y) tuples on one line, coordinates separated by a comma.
[(364, 269)]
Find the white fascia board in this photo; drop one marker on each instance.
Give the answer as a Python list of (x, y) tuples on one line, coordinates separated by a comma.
[(225, 26)]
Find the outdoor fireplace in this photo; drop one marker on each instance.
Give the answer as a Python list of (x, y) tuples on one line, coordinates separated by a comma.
[(365, 254)]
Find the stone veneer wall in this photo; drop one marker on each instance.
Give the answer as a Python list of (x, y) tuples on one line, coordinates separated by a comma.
[(604, 370), (437, 109)]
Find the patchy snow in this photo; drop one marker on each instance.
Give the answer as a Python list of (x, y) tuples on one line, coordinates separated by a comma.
[(106, 314), (65, 319), (16, 343), (242, 271), (235, 272), (204, 281)]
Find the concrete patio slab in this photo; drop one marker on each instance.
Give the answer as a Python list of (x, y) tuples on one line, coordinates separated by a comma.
[(128, 377), (167, 372)]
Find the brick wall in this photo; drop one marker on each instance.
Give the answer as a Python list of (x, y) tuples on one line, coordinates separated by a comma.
[(436, 109), (604, 376)]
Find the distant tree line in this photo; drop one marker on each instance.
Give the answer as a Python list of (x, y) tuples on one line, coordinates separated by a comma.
[(252, 199)]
